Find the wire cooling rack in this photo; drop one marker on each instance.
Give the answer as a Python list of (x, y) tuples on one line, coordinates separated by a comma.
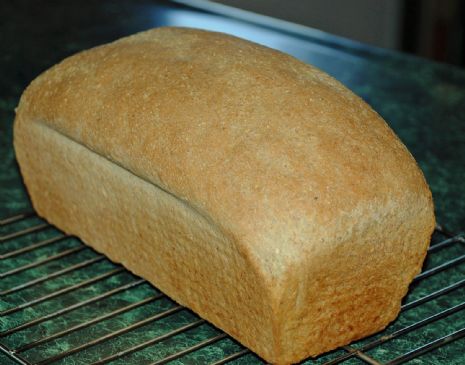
[(63, 303)]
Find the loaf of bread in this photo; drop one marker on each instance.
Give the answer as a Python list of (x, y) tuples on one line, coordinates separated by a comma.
[(248, 186)]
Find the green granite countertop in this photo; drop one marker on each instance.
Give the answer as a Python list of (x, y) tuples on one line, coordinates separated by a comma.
[(424, 102)]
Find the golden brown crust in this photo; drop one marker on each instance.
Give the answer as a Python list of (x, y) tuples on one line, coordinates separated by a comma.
[(308, 185)]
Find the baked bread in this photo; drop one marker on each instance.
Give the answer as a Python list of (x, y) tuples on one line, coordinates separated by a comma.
[(248, 186)]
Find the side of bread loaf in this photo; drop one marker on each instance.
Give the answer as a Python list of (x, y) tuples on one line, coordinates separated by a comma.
[(248, 186)]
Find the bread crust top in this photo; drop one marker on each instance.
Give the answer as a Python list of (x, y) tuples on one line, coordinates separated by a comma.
[(277, 153)]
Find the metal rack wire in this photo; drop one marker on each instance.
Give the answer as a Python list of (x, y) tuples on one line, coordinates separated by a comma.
[(28, 245)]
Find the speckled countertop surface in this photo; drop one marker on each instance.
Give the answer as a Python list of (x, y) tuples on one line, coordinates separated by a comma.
[(424, 103)]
